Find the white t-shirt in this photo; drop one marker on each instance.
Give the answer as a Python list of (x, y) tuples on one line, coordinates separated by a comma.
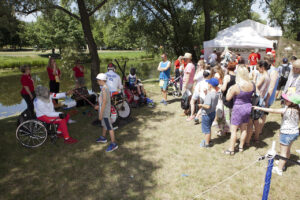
[(290, 121), (213, 57), (203, 86), (198, 77), (113, 82)]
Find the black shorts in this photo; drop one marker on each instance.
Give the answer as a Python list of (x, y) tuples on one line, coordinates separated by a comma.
[(281, 83)]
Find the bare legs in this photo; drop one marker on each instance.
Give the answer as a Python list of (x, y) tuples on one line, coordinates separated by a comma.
[(233, 137)]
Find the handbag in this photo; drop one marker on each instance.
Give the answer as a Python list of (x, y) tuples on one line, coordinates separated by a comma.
[(220, 107)]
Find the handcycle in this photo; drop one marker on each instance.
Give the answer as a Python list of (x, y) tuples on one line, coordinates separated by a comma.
[(33, 133), (118, 100)]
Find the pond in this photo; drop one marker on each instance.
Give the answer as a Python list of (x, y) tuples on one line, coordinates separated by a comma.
[(12, 103)]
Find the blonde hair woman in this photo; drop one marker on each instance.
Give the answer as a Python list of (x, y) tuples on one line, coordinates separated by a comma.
[(241, 93)]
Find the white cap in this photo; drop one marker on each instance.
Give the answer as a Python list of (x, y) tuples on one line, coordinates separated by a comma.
[(269, 53), (102, 77)]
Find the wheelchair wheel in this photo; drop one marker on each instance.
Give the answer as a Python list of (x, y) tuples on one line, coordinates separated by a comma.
[(123, 109), (31, 133)]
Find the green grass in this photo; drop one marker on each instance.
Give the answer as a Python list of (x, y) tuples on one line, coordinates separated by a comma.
[(156, 147), (11, 60)]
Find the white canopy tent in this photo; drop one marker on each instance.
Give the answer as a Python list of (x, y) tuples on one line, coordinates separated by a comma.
[(238, 37), (262, 29)]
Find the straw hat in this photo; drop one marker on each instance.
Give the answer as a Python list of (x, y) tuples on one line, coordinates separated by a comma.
[(187, 56), (296, 64)]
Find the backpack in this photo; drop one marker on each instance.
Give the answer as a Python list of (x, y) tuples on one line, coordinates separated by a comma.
[(185, 101), (286, 71)]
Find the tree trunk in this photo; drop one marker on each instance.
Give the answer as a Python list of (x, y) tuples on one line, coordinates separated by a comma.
[(207, 20), (86, 26)]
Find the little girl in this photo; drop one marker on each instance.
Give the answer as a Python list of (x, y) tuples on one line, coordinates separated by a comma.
[(289, 130)]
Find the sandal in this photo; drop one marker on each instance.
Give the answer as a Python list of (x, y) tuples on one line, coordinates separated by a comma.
[(228, 152), (220, 133), (241, 149)]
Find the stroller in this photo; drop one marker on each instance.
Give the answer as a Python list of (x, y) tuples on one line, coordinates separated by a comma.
[(173, 87)]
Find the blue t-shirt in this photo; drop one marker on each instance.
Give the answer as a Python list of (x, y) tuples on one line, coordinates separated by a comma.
[(165, 75)]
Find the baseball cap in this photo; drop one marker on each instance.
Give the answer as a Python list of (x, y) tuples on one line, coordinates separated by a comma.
[(101, 76), (213, 81)]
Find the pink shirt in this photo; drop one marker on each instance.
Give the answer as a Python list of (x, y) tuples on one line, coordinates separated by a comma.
[(190, 69)]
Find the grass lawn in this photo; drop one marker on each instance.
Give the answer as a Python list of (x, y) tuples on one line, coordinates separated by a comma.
[(156, 147), (38, 58)]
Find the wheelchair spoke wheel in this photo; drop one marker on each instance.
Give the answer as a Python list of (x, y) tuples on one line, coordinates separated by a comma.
[(31, 133), (123, 109)]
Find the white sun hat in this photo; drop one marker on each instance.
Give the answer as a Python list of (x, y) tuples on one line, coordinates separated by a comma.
[(102, 77), (187, 55)]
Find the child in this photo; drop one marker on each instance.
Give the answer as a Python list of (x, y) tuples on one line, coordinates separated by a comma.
[(135, 84), (202, 91), (289, 130), (104, 113), (209, 110)]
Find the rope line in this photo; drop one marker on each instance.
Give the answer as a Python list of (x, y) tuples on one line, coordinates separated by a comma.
[(236, 173)]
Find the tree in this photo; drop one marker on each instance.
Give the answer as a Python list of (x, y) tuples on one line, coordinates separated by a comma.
[(286, 14), (86, 9), (9, 25), (58, 30)]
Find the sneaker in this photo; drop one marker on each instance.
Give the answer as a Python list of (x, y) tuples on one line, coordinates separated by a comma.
[(101, 139), (165, 103), (162, 101), (276, 162), (204, 145), (190, 118), (276, 170), (197, 121), (60, 135), (112, 147), (71, 121), (70, 140)]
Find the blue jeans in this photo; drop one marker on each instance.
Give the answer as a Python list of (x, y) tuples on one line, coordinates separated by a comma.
[(207, 121)]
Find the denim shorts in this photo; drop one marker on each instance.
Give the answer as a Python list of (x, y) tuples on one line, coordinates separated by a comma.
[(165, 85), (207, 121), (287, 139)]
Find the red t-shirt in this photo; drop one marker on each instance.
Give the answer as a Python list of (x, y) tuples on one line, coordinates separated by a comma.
[(26, 80), (50, 73), (177, 64), (258, 56), (78, 69), (253, 59)]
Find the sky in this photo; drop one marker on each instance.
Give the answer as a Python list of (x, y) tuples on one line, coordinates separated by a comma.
[(255, 7)]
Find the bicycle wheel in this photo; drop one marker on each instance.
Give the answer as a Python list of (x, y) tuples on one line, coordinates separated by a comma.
[(31, 133), (123, 109)]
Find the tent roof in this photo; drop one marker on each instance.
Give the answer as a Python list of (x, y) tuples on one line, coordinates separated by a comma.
[(261, 29), (243, 37)]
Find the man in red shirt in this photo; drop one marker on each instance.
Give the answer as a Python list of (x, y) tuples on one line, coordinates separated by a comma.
[(79, 75), (252, 60), (27, 91)]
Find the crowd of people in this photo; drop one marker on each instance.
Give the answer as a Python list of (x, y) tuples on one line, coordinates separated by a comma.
[(236, 94)]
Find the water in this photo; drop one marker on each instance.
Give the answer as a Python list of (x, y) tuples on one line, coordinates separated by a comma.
[(12, 103)]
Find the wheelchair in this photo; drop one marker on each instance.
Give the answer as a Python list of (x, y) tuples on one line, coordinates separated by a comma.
[(33, 133)]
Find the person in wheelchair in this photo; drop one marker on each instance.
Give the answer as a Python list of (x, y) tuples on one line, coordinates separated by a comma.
[(134, 84), (114, 82), (45, 112)]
